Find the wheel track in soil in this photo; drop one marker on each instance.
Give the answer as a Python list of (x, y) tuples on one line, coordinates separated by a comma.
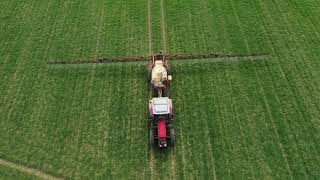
[(164, 48), (149, 19), (27, 170), (149, 27), (163, 27)]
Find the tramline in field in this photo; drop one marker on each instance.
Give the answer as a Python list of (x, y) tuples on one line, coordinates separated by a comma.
[(160, 108)]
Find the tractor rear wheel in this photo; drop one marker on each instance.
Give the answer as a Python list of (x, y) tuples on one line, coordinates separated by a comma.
[(172, 136), (168, 68), (151, 138)]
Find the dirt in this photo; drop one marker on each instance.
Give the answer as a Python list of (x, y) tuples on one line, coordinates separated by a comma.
[(28, 170), (151, 152), (152, 163), (163, 28), (173, 163), (149, 27)]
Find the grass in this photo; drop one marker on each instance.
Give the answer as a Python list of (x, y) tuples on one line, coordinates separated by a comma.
[(264, 115), (239, 119)]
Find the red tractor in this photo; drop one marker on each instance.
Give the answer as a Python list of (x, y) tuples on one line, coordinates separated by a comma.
[(161, 122)]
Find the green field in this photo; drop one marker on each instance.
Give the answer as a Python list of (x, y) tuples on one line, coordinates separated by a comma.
[(234, 119)]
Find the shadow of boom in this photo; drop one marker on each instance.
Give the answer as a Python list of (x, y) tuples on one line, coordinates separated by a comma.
[(172, 57)]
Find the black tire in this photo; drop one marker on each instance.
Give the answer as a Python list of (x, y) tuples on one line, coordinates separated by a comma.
[(151, 135), (154, 92), (168, 68), (149, 72), (168, 91), (172, 136), (150, 91)]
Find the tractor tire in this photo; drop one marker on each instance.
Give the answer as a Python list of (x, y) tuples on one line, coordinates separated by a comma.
[(168, 92), (149, 71), (151, 135), (168, 68), (172, 136), (153, 92)]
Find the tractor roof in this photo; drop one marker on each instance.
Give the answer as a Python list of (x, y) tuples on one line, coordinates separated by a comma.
[(161, 105)]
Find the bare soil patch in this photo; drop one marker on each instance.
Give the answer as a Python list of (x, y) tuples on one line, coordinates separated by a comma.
[(28, 170)]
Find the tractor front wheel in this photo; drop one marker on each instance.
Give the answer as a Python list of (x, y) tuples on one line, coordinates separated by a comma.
[(168, 68), (149, 71), (168, 91)]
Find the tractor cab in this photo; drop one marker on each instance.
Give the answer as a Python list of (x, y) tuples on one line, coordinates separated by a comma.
[(161, 121)]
